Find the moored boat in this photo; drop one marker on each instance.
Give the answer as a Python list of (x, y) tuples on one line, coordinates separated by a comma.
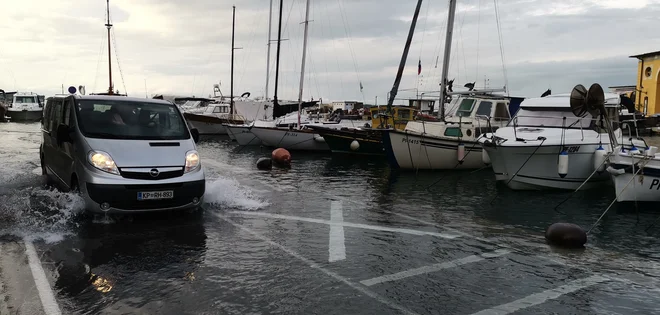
[(25, 107)]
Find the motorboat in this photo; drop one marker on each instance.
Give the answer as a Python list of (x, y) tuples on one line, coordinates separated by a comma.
[(25, 107), (547, 146), (213, 119)]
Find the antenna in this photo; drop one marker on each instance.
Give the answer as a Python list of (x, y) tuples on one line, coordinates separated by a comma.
[(109, 26)]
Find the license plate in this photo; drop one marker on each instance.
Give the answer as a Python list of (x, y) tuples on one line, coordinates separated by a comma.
[(152, 195)]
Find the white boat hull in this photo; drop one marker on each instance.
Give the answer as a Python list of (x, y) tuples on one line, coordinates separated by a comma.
[(645, 187), (243, 135), (511, 165), (412, 151), (206, 128), (302, 140)]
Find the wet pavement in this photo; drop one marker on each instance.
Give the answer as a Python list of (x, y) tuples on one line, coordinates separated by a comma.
[(329, 236)]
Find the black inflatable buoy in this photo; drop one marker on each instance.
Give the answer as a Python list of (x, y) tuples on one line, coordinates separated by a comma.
[(265, 163), (566, 235)]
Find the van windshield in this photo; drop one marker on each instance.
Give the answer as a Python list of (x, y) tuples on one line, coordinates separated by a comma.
[(112, 119)]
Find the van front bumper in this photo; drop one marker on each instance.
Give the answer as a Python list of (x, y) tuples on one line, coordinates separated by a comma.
[(124, 198)]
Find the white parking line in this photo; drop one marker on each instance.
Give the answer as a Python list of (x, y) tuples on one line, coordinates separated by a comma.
[(314, 265), (435, 267), (346, 224), (542, 297), (45, 292), (337, 247)]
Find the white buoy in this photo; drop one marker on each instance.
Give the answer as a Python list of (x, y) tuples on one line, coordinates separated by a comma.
[(461, 152), (485, 157), (355, 145), (562, 165), (599, 159)]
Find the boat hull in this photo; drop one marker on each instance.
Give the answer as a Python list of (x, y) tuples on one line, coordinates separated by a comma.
[(407, 150), (299, 140), (24, 115), (209, 125), (243, 135), (514, 166), (339, 141), (645, 187)]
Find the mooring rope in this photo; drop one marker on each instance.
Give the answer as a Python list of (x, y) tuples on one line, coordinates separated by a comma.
[(457, 164), (587, 180)]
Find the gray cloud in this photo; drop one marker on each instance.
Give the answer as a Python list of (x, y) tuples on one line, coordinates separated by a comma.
[(184, 46)]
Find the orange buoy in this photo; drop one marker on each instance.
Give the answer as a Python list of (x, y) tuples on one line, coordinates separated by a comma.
[(281, 157)]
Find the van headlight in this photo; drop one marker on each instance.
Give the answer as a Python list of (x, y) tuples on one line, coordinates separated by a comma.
[(103, 161), (192, 161)]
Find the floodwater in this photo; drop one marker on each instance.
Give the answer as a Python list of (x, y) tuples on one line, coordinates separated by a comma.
[(332, 235)]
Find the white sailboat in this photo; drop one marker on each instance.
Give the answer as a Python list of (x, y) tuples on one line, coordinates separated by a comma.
[(452, 142)]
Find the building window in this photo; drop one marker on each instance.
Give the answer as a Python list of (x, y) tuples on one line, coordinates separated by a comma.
[(646, 105), (648, 71)]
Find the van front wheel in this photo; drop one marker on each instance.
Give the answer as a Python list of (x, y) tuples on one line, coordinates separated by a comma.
[(74, 187)]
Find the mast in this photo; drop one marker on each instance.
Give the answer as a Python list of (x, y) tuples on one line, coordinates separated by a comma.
[(231, 81), (276, 105), (445, 61), (302, 67), (402, 63), (270, 22), (109, 26)]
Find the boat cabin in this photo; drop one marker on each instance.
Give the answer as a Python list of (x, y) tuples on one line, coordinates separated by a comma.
[(26, 101), (466, 109), (399, 117), (554, 111)]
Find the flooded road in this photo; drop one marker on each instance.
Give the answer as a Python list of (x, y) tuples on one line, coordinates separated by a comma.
[(329, 236)]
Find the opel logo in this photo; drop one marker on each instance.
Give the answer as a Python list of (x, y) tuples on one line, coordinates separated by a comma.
[(154, 172)]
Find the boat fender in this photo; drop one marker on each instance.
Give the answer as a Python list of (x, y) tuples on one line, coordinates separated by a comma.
[(562, 164), (485, 157), (460, 153), (599, 159), (264, 163), (615, 172), (319, 138), (355, 145), (651, 151), (566, 235), (281, 157)]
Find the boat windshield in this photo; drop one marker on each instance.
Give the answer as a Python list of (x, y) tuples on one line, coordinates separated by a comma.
[(115, 119), (550, 117), (25, 100)]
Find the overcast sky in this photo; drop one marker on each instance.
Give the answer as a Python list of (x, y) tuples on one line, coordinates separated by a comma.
[(183, 47)]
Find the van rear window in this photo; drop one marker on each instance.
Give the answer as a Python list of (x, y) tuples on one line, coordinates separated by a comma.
[(114, 119)]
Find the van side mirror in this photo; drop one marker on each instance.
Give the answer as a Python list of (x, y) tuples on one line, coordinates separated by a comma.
[(195, 134), (63, 134)]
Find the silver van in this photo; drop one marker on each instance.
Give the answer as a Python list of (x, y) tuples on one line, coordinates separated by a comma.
[(123, 154)]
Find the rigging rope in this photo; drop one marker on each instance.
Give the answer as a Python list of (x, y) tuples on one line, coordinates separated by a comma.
[(499, 33), (121, 74), (350, 46)]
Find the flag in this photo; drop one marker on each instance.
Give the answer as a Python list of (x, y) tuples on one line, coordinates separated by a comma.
[(419, 67), (361, 87)]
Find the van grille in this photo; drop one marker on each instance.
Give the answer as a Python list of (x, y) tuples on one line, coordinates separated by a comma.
[(148, 176)]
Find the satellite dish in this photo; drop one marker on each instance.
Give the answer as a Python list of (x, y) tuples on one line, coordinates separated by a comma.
[(595, 99), (72, 89), (578, 100), (81, 89)]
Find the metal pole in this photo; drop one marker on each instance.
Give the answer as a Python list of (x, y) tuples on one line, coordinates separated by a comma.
[(302, 67), (270, 21), (445, 61), (402, 63), (231, 82), (109, 26), (276, 106)]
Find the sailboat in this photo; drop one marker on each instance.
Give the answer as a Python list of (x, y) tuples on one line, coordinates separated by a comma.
[(450, 143)]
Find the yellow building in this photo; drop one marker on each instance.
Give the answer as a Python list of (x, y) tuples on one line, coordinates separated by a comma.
[(647, 93)]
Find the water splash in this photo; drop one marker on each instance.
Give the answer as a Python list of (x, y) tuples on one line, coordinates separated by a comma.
[(39, 213), (228, 192)]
